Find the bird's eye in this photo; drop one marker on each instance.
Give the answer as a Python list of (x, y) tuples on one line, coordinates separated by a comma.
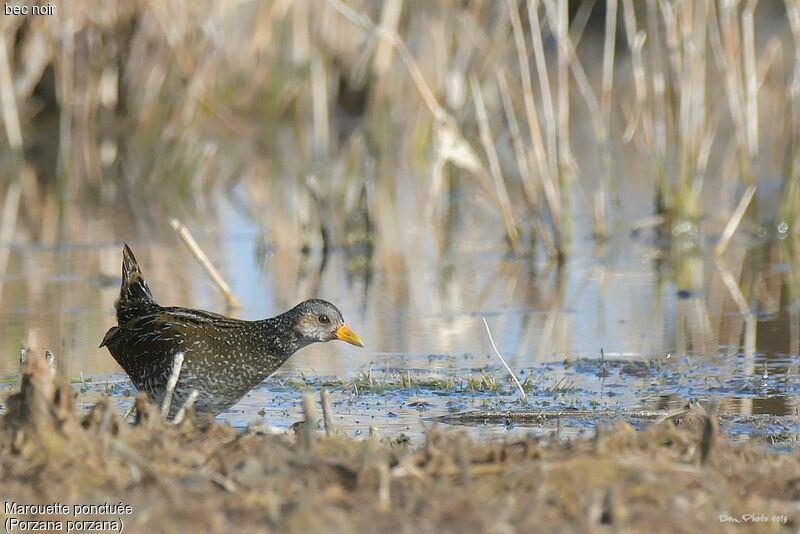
[(324, 319)]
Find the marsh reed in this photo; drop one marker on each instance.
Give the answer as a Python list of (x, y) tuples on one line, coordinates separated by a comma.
[(541, 110)]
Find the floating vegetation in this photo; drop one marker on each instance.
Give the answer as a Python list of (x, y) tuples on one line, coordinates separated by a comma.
[(486, 382), (365, 382)]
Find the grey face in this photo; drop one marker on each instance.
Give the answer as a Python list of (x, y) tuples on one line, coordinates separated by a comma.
[(317, 320)]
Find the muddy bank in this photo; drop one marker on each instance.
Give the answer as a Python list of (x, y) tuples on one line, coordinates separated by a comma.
[(667, 477)]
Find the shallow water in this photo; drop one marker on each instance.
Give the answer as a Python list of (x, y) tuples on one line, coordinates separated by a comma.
[(667, 324)]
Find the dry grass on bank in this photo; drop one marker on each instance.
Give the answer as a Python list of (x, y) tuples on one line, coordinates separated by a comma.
[(217, 479)]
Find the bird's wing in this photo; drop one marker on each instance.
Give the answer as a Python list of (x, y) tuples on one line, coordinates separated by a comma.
[(168, 328)]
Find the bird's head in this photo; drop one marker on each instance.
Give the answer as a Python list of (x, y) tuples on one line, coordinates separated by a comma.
[(320, 321)]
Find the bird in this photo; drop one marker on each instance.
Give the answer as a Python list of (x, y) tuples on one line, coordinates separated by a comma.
[(223, 358)]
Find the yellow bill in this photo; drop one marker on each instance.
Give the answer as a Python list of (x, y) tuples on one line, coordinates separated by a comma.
[(343, 333)]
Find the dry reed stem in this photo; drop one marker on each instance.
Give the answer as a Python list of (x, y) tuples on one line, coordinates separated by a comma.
[(522, 393), (548, 109), (725, 41), (580, 20), (384, 487), (9, 219), (731, 285), (734, 221), (557, 17), (177, 364), (392, 38), (319, 105), (202, 258), (65, 67), (636, 39), (531, 193), (538, 152), (327, 412), (190, 400), (308, 432), (704, 152), (751, 78), (690, 65), (657, 84), (384, 52), (570, 60), (793, 14), (301, 34), (51, 361), (516, 141), (608, 62), (585, 88), (609, 48), (9, 101), (791, 208), (494, 166), (750, 334), (451, 144)]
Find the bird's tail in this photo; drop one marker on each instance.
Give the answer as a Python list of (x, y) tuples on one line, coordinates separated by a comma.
[(134, 295)]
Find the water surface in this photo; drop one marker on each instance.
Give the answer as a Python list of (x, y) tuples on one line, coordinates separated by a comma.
[(668, 325)]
